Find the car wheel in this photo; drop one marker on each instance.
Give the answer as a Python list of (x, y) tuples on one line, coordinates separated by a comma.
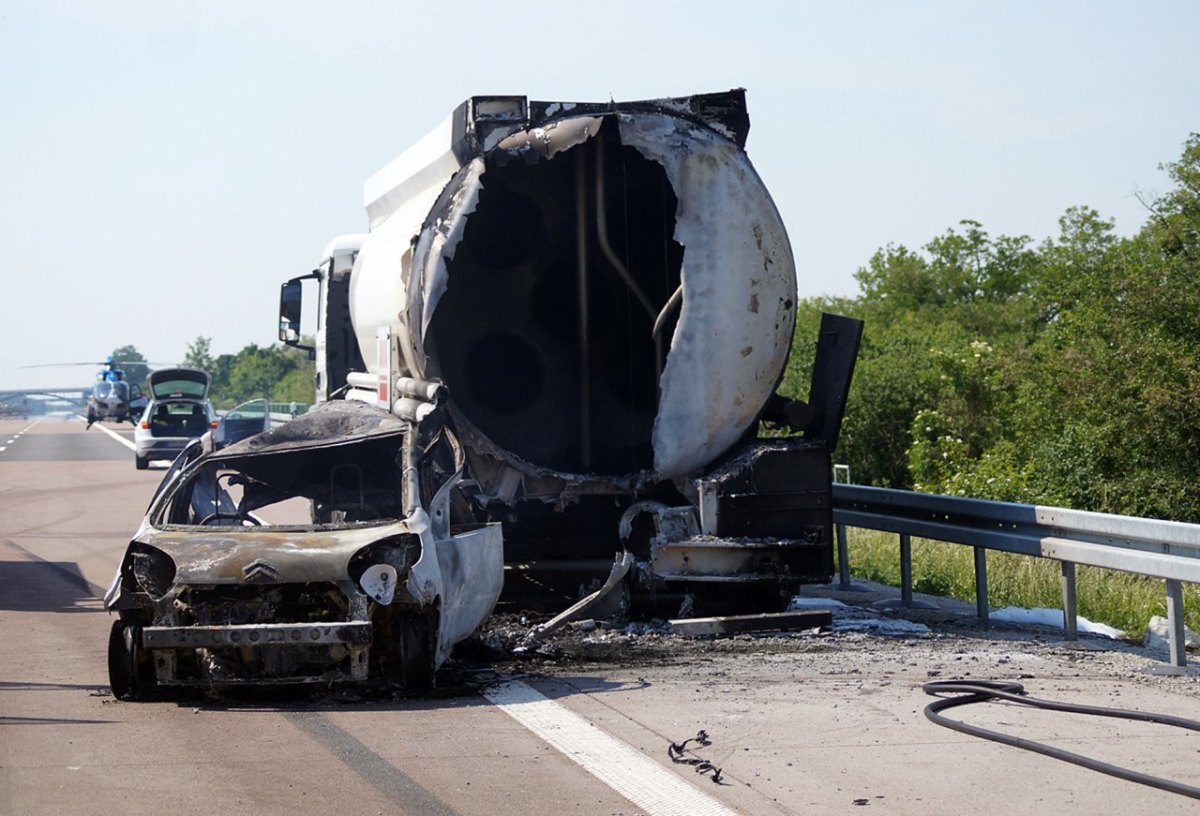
[(130, 674), (141, 461), (416, 634)]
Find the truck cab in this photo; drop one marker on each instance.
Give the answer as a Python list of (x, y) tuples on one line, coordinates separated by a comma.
[(335, 349)]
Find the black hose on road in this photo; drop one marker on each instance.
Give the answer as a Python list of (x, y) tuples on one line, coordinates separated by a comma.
[(978, 691)]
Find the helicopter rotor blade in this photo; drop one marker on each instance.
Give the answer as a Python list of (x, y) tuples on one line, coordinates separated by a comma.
[(102, 364)]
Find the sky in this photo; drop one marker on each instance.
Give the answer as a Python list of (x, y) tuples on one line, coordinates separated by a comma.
[(165, 165)]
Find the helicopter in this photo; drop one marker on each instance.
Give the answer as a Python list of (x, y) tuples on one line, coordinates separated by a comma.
[(112, 397)]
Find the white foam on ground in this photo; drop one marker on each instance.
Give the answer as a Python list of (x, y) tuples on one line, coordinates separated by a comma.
[(881, 626), (848, 618), (817, 603), (1052, 617)]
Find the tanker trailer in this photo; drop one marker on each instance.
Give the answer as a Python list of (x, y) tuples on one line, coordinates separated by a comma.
[(598, 301)]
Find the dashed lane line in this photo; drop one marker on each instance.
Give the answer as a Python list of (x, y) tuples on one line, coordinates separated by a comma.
[(17, 435)]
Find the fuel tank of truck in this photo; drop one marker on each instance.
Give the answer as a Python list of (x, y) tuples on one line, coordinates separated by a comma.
[(606, 290)]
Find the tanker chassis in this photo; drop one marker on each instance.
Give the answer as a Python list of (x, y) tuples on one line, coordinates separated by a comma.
[(596, 302)]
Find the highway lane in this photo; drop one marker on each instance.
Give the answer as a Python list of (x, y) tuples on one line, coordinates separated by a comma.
[(56, 439), (825, 725), (67, 747)]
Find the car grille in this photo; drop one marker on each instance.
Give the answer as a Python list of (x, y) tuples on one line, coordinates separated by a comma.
[(224, 605)]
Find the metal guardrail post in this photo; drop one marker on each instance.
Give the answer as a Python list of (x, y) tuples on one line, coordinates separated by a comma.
[(1070, 615), (843, 550), (906, 592), (1175, 622), (981, 585)]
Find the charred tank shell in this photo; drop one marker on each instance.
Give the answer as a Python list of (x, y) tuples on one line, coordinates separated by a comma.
[(606, 290), (538, 330)]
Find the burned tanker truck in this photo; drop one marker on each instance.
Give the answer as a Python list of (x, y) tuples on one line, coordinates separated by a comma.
[(558, 342), (596, 302)]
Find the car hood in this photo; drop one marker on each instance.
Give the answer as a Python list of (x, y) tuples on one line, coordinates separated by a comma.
[(277, 555)]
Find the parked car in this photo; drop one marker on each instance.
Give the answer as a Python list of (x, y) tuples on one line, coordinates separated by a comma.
[(245, 420), (178, 412), (333, 548)]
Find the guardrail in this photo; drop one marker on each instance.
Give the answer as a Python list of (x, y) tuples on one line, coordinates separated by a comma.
[(283, 411), (1162, 549)]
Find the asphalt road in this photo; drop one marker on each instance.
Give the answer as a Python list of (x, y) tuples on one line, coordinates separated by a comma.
[(57, 439), (814, 725)]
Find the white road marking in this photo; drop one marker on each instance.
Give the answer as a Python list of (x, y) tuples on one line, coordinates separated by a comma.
[(117, 437), (629, 772), (29, 427), (3, 449)]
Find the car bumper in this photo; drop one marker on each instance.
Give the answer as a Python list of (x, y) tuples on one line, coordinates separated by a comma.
[(160, 448)]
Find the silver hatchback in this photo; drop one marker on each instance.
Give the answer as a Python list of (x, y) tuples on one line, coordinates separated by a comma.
[(178, 412)]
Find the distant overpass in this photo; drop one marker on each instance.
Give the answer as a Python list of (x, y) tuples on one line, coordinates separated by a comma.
[(35, 397)]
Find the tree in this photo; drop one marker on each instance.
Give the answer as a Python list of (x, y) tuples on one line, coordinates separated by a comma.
[(199, 355), (1176, 216), (1065, 373), (131, 361), (277, 372), (959, 268)]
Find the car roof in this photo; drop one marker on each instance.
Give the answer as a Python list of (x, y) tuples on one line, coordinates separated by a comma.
[(339, 422)]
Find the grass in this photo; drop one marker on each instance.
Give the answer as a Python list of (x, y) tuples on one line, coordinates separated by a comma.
[(1104, 596)]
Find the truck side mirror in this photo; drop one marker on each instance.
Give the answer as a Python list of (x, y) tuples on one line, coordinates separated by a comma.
[(291, 300)]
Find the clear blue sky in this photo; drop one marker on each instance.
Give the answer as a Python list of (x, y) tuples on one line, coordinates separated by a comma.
[(167, 164)]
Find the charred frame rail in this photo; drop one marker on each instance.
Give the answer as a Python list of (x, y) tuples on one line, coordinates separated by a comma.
[(1169, 550)]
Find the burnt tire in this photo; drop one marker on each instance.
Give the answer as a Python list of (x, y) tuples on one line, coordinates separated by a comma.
[(416, 642), (130, 673)]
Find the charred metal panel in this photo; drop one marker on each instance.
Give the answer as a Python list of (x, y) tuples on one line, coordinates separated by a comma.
[(833, 368), (711, 559), (777, 490), (255, 635), (723, 112)]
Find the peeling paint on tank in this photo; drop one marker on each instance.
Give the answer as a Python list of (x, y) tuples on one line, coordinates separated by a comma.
[(725, 221)]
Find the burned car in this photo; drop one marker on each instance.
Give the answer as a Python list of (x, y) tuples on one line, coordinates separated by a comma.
[(331, 549)]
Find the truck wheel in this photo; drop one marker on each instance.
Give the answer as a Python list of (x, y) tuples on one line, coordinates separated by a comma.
[(130, 674), (141, 461)]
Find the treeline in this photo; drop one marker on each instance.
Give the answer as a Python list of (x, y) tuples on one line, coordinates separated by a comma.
[(278, 372), (1065, 372)]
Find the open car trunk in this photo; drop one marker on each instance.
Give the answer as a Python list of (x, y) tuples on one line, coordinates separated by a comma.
[(174, 419), (168, 383)]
